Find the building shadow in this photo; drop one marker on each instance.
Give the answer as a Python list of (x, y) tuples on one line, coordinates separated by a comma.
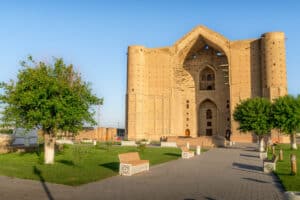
[(247, 167), (114, 166), (42, 180)]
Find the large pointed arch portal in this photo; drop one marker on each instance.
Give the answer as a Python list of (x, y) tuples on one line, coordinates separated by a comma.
[(204, 54)]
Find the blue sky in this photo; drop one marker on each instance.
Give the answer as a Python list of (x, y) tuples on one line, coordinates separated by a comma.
[(94, 35)]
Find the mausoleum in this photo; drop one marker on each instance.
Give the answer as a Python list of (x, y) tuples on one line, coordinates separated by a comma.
[(192, 87)]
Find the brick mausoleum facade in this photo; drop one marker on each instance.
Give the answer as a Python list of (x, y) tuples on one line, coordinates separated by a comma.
[(192, 87)]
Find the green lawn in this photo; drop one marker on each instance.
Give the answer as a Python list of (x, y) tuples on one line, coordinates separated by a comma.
[(78, 164), (283, 168)]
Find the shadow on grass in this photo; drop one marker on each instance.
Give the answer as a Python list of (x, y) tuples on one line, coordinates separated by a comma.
[(67, 162), (42, 180), (114, 166), (278, 182), (173, 154)]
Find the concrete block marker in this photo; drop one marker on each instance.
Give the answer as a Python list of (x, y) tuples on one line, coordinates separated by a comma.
[(292, 195)]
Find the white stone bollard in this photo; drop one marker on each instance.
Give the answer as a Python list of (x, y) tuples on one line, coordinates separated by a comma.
[(198, 150), (188, 145), (94, 142)]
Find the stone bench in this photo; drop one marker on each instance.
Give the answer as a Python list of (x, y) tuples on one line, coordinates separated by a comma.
[(168, 144), (186, 153), (270, 165), (130, 163), (292, 195), (64, 142), (128, 143), (87, 141)]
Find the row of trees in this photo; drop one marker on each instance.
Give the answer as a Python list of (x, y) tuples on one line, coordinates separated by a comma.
[(51, 97), (261, 116)]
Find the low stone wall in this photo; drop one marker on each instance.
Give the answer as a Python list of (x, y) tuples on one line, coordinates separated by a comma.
[(280, 139), (168, 144), (100, 134), (243, 137), (251, 138), (204, 141), (128, 143)]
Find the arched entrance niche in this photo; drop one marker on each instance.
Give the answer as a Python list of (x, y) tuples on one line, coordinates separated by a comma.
[(205, 56), (207, 118)]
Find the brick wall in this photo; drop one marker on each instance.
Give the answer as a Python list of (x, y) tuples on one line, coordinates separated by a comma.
[(100, 134)]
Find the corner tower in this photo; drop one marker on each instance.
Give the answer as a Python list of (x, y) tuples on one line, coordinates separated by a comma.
[(136, 90), (274, 81)]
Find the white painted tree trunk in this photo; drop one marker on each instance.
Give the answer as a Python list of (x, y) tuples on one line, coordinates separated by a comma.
[(49, 148), (293, 141), (261, 144)]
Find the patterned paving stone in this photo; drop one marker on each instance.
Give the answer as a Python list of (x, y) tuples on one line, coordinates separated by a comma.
[(223, 173)]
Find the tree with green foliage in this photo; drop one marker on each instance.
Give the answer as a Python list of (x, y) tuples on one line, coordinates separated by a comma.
[(286, 116), (254, 115), (51, 97)]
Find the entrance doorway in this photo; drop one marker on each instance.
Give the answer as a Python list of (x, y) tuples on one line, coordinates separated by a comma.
[(207, 118)]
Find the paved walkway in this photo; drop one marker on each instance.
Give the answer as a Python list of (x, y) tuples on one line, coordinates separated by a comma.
[(231, 174)]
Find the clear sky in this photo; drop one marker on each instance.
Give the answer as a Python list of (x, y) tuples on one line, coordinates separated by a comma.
[(94, 35)]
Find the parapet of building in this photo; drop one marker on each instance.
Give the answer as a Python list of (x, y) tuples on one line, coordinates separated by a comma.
[(192, 87)]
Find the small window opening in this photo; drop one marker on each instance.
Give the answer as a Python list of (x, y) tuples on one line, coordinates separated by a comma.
[(209, 114)]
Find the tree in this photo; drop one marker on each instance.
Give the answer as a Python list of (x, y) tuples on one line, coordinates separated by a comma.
[(286, 116), (51, 97), (254, 115)]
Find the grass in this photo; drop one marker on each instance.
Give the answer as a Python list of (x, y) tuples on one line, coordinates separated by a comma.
[(283, 168), (78, 164)]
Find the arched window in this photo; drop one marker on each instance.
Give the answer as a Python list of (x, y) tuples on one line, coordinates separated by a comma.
[(207, 79), (208, 114), (210, 77)]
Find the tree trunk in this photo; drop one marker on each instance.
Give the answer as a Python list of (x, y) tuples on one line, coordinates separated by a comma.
[(261, 144), (49, 148), (293, 141)]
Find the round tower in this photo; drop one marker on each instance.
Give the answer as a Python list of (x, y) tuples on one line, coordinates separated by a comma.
[(136, 88), (274, 83), (135, 69)]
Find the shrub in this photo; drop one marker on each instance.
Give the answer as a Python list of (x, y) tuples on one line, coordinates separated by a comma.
[(141, 147), (6, 130)]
